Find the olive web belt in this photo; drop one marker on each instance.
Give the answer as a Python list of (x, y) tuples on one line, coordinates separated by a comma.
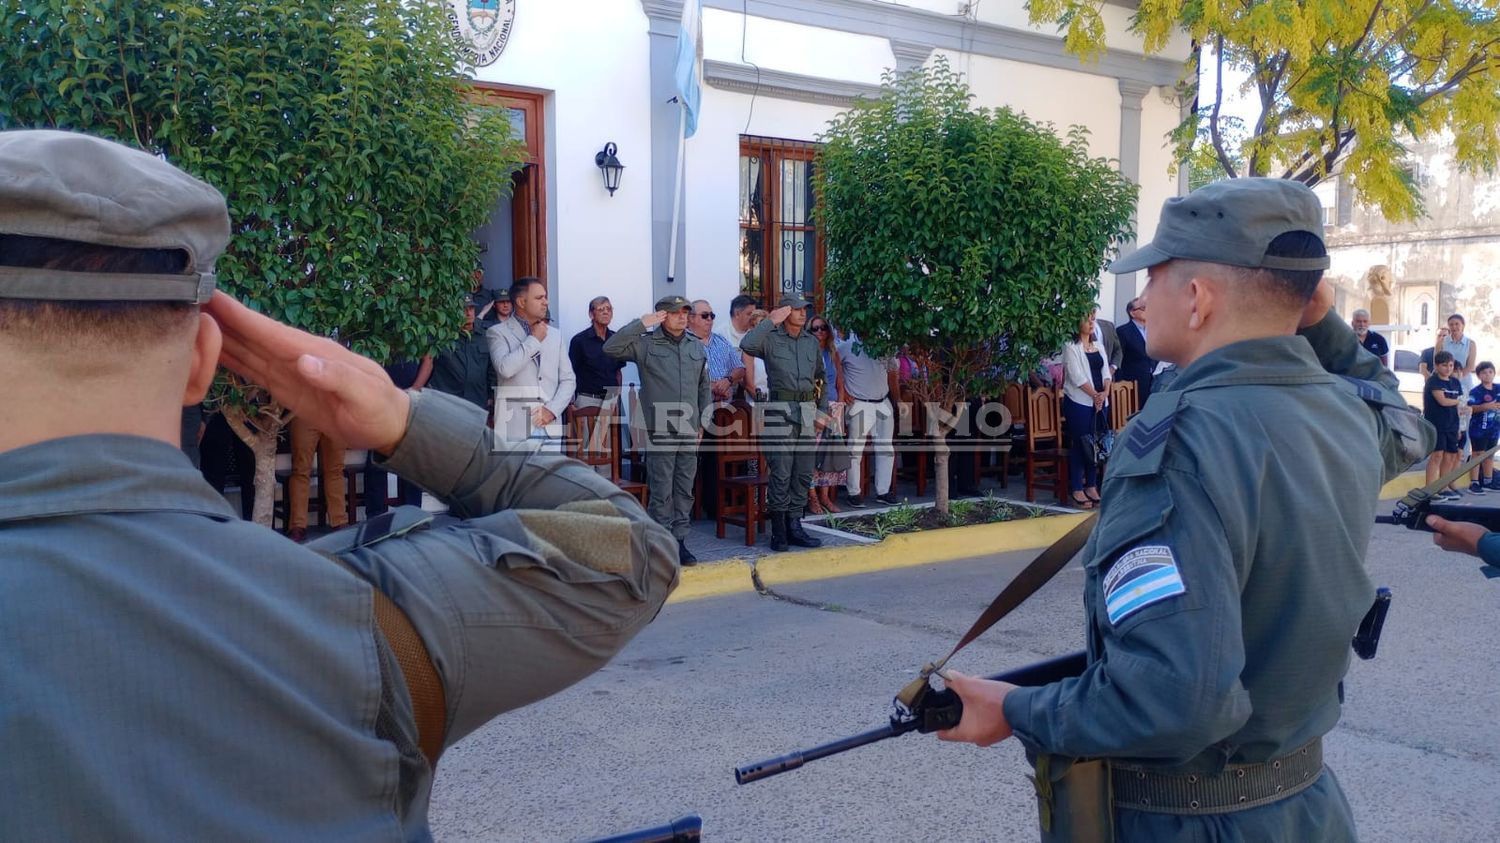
[(1239, 787)]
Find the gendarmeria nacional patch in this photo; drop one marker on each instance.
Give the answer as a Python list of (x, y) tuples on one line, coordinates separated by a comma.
[(1141, 577)]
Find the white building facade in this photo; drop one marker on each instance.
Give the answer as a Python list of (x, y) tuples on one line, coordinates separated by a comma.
[(583, 73), (1445, 263)]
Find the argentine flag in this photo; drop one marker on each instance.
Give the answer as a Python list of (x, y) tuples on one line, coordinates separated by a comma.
[(689, 73)]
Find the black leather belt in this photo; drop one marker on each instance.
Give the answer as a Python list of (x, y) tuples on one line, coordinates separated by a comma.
[(1238, 788), (880, 400)]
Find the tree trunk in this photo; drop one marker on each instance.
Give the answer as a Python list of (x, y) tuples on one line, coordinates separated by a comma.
[(262, 442), (265, 479), (940, 470)]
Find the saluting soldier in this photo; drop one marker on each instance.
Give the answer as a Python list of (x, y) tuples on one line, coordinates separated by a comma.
[(675, 392), (174, 673), (794, 367), (1226, 576)]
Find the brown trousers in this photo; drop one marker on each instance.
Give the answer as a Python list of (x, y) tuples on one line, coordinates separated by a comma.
[(305, 440)]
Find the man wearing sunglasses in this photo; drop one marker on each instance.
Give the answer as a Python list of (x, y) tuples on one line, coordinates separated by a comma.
[(726, 367)]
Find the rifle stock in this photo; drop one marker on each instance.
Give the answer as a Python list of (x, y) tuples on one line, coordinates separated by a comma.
[(939, 710)]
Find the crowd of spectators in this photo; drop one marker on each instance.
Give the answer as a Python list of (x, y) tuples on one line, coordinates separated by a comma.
[(510, 359)]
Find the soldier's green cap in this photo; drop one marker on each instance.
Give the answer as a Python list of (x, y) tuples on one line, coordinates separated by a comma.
[(671, 303), (70, 186), (1233, 222), (792, 300)]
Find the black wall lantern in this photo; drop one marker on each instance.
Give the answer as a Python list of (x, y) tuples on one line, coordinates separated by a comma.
[(610, 166)]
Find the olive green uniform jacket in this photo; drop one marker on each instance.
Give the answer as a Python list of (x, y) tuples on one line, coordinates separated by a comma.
[(1246, 492), (171, 672), (674, 374), (793, 364), (794, 367)]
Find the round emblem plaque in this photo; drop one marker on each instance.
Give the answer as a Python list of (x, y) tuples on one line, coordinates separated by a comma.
[(482, 28)]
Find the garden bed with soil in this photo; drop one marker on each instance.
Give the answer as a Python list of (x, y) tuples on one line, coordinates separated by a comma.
[(914, 519)]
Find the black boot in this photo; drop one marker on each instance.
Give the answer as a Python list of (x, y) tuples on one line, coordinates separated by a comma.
[(778, 531), (685, 557), (798, 536)]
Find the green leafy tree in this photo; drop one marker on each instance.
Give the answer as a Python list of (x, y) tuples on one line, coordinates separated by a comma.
[(1335, 82), (355, 164), (969, 239)]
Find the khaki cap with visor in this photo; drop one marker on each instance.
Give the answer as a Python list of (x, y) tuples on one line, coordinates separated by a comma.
[(70, 186), (1233, 222), (671, 303)]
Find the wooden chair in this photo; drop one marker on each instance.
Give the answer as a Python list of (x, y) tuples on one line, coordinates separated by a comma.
[(594, 440), (635, 453), (1124, 402), (1046, 458), (1001, 445), (913, 448), (1014, 399), (744, 475)]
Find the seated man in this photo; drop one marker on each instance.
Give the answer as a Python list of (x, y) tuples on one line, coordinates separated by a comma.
[(173, 673)]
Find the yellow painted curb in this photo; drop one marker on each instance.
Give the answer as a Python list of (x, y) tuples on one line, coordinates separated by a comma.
[(900, 551), (1401, 485), (712, 579), (906, 550)]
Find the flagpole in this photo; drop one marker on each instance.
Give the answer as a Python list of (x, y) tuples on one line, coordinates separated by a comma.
[(677, 188)]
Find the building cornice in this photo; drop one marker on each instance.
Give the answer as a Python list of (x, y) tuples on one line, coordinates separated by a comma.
[(670, 10), (1133, 92), (946, 32), (1352, 239), (910, 55), (744, 78)]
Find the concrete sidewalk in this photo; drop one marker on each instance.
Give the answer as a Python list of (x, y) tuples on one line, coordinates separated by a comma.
[(843, 556)]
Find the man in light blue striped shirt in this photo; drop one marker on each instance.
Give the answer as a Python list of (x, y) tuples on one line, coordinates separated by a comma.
[(726, 367)]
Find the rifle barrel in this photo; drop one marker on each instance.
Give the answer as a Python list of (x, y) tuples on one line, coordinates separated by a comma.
[(681, 830), (793, 760), (1040, 673)]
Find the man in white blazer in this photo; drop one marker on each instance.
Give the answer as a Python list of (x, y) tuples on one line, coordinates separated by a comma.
[(534, 376)]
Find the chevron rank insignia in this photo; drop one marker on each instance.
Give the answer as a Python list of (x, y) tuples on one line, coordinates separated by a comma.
[(1146, 437), (1141, 577)]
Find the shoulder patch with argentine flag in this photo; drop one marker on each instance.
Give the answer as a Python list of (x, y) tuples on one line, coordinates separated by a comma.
[(1141, 577)]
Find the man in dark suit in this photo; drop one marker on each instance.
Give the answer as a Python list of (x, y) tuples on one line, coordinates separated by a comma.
[(1135, 364)]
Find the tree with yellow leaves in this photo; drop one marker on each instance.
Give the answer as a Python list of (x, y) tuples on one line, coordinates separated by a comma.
[(1337, 82)]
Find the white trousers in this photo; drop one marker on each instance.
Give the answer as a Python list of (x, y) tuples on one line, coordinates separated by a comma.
[(867, 418)]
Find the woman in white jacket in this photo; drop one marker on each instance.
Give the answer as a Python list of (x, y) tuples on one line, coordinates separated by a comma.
[(1085, 409)]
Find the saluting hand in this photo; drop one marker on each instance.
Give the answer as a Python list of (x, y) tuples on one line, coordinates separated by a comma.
[(780, 314), (335, 390), (1318, 306), (651, 320), (983, 722)]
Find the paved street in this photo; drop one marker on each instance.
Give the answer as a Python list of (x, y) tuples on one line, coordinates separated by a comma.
[(724, 681)]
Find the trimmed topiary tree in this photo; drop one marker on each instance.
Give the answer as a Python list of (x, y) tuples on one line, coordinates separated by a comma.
[(355, 164), (972, 240)]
